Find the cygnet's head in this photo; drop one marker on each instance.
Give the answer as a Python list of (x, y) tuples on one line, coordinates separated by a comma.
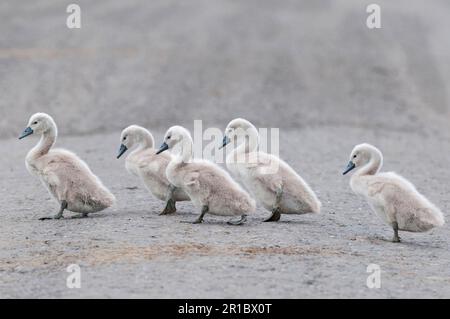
[(39, 123), (173, 136), (238, 127), (131, 136), (361, 155)]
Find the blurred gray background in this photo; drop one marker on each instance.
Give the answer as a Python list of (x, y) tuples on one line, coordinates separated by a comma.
[(311, 68), (279, 64)]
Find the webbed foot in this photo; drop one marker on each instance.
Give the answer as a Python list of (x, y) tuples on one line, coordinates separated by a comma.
[(60, 213), (81, 215), (276, 215), (238, 222), (57, 216), (170, 208), (199, 220)]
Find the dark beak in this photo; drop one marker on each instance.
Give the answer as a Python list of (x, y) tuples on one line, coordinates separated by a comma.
[(164, 147), (28, 131), (225, 141), (350, 166), (122, 150)]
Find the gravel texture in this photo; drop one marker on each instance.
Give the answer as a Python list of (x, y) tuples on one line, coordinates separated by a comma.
[(311, 68)]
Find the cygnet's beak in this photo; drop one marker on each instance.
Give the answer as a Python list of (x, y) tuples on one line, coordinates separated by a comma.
[(122, 150), (163, 147), (225, 141), (350, 166), (26, 132)]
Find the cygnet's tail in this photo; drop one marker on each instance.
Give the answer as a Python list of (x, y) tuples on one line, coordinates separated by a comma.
[(439, 220), (316, 205), (108, 199), (102, 199)]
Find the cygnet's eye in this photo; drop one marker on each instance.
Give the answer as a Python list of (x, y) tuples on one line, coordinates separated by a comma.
[(124, 138), (35, 122), (168, 137), (354, 156)]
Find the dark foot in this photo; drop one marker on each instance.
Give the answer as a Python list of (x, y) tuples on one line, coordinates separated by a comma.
[(276, 215), (82, 215), (58, 216), (60, 213), (238, 222), (199, 220), (396, 239), (170, 208)]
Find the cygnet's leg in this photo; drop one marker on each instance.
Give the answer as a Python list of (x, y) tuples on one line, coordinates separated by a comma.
[(276, 213), (396, 238), (238, 222), (170, 202), (60, 213), (199, 220), (170, 207)]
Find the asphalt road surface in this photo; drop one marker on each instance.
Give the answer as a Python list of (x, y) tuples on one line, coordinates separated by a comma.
[(311, 68)]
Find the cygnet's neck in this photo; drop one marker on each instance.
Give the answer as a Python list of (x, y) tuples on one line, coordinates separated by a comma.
[(250, 141), (186, 145), (145, 141), (46, 142), (373, 165)]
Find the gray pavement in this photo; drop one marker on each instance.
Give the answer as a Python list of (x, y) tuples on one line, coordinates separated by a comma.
[(311, 68)]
